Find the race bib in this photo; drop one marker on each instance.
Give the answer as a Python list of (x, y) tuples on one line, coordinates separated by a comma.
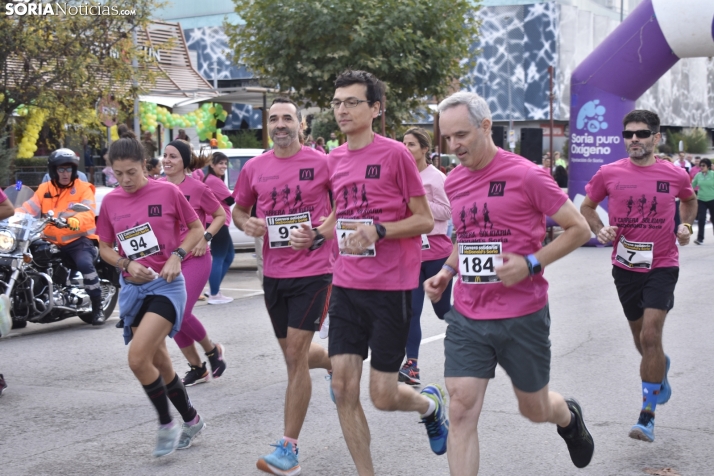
[(425, 242), (279, 228), (478, 262), (343, 234), (633, 254), (138, 242)]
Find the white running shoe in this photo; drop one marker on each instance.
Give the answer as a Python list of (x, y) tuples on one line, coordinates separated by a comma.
[(5, 319), (218, 299), (230, 299), (325, 329)]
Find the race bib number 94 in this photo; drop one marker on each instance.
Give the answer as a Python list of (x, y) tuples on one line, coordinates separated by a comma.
[(633, 254), (138, 242), (478, 262), (279, 227)]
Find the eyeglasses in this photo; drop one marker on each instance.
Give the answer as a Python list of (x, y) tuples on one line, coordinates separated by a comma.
[(641, 134), (349, 103), (64, 170)]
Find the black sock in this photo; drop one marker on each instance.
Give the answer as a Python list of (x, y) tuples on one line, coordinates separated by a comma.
[(157, 394), (571, 426), (179, 397)]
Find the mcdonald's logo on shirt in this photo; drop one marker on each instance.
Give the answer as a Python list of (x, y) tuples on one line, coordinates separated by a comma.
[(663, 187), (496, 189), (307, 174), (373, 171), (154, 210)]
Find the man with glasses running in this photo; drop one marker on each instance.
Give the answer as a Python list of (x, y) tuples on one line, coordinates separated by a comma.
[(376, 268), (645, 257)]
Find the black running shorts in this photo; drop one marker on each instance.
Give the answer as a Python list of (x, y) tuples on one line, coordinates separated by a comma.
[(300, 303), (157, 304), (639, 291), (376, 320)]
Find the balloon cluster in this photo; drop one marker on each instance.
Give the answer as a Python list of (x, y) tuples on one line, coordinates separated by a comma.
[(35, 118), (204, 119)]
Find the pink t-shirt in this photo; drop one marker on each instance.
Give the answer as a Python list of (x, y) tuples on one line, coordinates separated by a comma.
[(288, 191), (220, 190), (160, 204), (504, 204), (439, 245), (641, 204), (3, 197), (201, 199), (376, 182)]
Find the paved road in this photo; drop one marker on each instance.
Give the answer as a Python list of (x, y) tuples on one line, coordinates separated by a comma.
[(73, 406)]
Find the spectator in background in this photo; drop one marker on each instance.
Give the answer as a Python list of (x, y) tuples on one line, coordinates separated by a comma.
[(561, 176), (681, 161), (182, 135), (149, 145), (559, 161), (153, 168), (333, 142), (320, 145), (546, 163), (694, 170), (88, 158), (704, 180)]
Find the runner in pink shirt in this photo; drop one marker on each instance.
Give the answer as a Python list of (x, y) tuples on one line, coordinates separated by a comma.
[(143, 217), (289, 186), (178, 162), (499, 202), (221, 244), (381, 211), (436, 246), (641, 192)]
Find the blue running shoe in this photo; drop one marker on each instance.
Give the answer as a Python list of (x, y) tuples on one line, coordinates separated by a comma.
[(283, 461), (328, 378), (189, 433), (644, 429), (666, 392), (437, 426), (167, 439)]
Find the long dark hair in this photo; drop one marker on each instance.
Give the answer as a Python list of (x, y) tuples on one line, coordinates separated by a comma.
[(215, 159)]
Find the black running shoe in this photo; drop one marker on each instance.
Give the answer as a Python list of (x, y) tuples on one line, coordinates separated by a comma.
[(579, 440), (215, 357), (196, 375), (3, 385)]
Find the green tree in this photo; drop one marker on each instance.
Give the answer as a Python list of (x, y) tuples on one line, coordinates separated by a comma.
[(418, 48), (66, 62)]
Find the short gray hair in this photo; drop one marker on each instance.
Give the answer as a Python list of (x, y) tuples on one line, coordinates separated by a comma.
[(476, 105)]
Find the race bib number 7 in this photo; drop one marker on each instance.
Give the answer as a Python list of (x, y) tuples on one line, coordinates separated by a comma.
[(634, 254), (279, 227), (478, 262), (138, 242)]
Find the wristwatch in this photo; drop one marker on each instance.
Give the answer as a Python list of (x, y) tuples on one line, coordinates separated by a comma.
[(534, 266), (180, 252), (318, 241), (689, 227), (381, 231), (207, 236)]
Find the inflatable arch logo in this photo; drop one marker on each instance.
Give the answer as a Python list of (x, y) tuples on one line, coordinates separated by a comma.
[(606, 85)]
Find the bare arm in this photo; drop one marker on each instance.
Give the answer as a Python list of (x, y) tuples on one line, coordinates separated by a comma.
[(604, 234), (252, 226), (687, 211), (575, 234)]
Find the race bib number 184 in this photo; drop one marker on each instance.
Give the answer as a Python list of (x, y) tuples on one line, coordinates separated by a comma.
[(478, 262), (343, 233)]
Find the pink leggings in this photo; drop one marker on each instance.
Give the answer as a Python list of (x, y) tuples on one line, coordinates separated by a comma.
[(195, 271)]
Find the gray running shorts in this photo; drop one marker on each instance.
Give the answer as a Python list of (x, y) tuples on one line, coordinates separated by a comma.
[(521, 345)]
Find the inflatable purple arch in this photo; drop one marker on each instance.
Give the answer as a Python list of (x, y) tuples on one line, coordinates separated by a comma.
[(605, 86)]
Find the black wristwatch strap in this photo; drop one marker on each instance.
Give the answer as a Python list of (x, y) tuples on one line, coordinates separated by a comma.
[(381, 231)]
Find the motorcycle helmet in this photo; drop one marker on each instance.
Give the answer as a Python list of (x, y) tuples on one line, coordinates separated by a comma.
[(62, 157)]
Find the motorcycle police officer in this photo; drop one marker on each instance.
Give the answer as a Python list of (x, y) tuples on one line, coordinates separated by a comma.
[(75, 242)]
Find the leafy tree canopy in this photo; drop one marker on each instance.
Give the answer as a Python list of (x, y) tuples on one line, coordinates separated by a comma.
[(418, 48), (65, 62)]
